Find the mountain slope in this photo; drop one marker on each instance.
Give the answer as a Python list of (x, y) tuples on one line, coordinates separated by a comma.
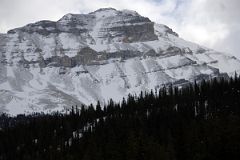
[(82, 58)]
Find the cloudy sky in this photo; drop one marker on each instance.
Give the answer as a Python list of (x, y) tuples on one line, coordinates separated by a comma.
[(212, 23)]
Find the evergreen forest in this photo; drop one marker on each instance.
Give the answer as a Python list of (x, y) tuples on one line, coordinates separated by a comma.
[(200, 121)]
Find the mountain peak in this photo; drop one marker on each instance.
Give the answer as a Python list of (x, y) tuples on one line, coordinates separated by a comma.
[(104, 12), (108, 12), (105, 9), (105, 54)]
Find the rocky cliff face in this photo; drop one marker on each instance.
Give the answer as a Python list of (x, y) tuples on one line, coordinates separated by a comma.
[(103, 26), (82, 58)]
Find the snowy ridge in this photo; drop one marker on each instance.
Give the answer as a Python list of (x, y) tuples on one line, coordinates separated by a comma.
[(50, 66)]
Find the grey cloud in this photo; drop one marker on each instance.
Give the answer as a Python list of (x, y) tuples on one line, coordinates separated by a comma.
[(213, 23), (16, 13), (227, 13)]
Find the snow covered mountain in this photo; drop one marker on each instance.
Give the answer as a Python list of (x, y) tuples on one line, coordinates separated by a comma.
[(82, 58)]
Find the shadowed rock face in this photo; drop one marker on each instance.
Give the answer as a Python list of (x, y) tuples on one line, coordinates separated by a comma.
[(85, 57), (137, 33), (42, 27), (82, 58), (88, 56)]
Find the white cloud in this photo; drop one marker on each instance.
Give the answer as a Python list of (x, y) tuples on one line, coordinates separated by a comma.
[(213, 23)]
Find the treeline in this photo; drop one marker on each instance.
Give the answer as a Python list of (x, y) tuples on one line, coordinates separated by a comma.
[(198, 122)]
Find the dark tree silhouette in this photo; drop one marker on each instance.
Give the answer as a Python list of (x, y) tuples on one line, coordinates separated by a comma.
[(198, 122)]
